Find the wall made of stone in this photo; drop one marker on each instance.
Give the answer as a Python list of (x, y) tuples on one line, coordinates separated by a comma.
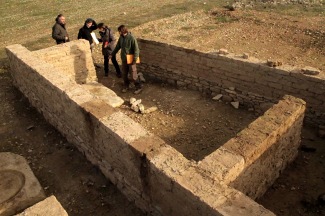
[(74, 60), (249, 81), (253, 160), (147, 170)]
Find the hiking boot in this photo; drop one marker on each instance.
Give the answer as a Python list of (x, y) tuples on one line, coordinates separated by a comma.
[(138, 91)]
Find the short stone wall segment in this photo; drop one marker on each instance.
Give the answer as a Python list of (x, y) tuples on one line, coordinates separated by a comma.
[(251, 82)]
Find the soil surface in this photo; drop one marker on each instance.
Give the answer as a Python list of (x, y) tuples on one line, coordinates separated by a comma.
[(192, 123), (293, 40)]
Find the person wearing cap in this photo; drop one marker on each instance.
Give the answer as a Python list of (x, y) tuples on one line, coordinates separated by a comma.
[(109, 41), (85, 32), (59, 32), (129, 47)]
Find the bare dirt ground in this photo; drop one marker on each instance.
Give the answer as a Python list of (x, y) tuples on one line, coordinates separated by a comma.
[(292, 40), (192, 123)]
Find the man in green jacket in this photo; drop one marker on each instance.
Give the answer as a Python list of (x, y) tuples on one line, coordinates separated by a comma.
[(129, 51)]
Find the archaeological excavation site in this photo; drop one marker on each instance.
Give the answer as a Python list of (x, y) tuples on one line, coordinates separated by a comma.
[(153, 171)]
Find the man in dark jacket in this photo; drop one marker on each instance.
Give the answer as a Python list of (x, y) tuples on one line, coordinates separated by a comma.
[(109, 41), (59, 33), (129, 48), (86, 30)]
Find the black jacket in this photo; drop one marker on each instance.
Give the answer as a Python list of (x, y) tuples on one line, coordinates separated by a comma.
[(109, 41), (84, 32), (59, 33)]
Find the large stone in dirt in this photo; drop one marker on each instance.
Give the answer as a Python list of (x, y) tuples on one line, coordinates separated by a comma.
[(272, 63), (245, 56), (103, 93), (310, 70), (19, 188), (217, 97), (223, 51), (235, 104), (227, 98), (49, 207)]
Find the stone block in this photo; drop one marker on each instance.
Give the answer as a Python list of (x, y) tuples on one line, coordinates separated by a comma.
[(18, 185), (49, 207), (104, 93)]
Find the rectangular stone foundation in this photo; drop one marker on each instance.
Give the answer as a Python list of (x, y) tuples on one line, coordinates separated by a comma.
[(249, 81), (145, 168)]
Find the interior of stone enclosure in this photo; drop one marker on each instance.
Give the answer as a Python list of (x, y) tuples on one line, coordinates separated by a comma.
[(143, 166)]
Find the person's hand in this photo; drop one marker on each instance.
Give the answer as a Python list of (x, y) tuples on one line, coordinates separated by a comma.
[(66, 38)]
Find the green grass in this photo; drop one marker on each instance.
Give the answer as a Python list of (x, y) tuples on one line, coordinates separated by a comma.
[(293, 9), (225, 19), (29, 22)]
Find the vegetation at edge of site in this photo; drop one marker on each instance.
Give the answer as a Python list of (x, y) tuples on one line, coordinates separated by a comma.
[(31, 20)]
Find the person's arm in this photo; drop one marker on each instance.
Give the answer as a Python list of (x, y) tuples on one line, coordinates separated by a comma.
[(117, 48), (111, 35), (136, 50), (56, 33), (80, 34)]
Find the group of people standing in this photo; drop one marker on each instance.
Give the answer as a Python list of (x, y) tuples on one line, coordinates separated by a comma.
[(127, 43)]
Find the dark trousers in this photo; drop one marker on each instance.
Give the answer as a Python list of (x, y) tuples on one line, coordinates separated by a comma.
[(106, 67), (132, 68)]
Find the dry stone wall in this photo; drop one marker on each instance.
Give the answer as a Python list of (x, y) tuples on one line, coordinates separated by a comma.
[(249, 81), (261, 151), (147, 170), (72, 60)]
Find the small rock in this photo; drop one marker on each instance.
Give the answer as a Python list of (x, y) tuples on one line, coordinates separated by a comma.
[(141, 108), (226, 98), (273, 63), (151, 109), (30, 127), (232, 88), (132, 100), (235, 104), (310, 71), (217, 97), (141, 77), (135, 108), (245, 56), (135, 103), (223, 51)]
